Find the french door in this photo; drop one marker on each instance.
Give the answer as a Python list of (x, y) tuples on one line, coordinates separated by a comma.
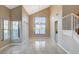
[(4, 29), (9, 30)]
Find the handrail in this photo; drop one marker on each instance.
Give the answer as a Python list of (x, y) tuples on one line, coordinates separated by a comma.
[(66, 15), (75, 15), (72, 14)]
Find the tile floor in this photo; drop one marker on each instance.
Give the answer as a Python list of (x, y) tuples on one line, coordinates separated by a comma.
[(36, 46)]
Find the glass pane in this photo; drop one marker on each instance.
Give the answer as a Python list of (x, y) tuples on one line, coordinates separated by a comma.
[(39, 25), (5, 24), (36, 31), (15, 34), (15, 24), (43, 26), (36, 20), (6, 34), (42, 31), (1, 23)]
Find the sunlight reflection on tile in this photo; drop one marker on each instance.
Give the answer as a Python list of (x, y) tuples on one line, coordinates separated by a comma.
[(39, 44), (36, 46)]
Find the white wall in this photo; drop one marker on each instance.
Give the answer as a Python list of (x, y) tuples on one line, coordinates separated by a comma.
[(25, 29), (64, 41), (56, 15)]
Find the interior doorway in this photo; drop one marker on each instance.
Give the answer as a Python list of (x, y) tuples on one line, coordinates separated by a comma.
[(56, 31)]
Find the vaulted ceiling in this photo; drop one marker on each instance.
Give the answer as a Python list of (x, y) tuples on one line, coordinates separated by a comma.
[(30, 8), (11, 6), (34, 8), (70, 9)]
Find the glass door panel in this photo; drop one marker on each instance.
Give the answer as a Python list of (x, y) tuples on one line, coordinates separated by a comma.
[(6, 34), (6, 24), (9, 29), (15, 34), (6, 30), (15, 30)]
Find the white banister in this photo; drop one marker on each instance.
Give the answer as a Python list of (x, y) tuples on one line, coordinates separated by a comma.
[(74, 24)]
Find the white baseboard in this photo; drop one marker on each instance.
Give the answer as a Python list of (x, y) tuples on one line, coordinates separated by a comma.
[(63, 48)]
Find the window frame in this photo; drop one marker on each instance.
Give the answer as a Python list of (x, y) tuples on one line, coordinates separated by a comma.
[(40, 24)]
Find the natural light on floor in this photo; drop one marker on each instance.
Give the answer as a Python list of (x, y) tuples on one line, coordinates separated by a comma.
[(39, 44)]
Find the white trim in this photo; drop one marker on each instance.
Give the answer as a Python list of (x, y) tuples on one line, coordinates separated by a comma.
[(66, 16), (63, 48)]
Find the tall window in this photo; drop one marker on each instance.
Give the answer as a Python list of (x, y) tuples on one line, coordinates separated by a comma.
[(39, 25), (6, 30), (15, 32)]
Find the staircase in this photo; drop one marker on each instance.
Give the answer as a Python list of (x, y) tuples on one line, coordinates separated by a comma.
[(71, 37)]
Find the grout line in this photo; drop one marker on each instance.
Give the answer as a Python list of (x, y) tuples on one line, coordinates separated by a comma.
[(63, 48)]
